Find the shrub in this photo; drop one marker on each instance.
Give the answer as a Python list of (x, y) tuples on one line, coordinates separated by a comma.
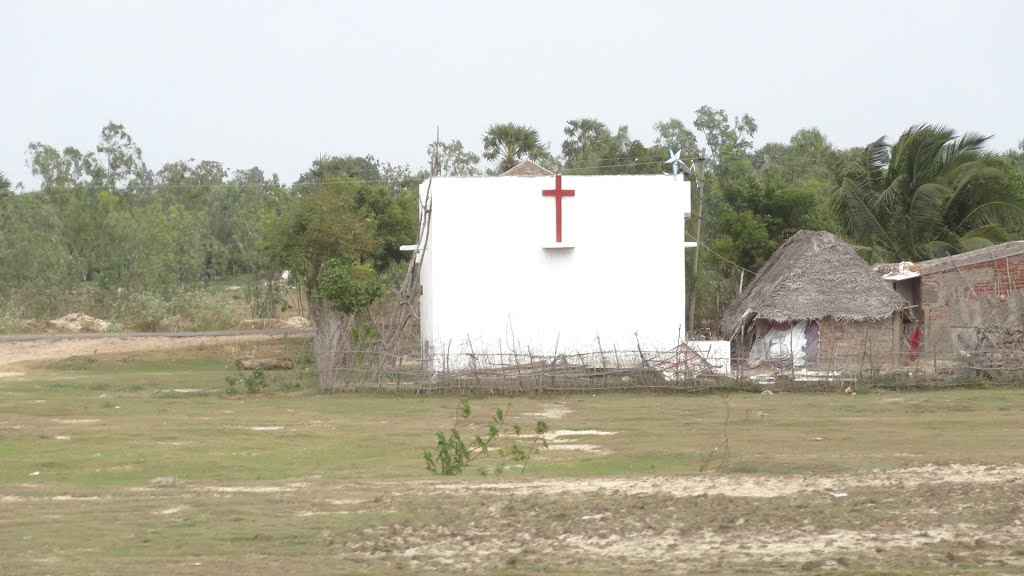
[(254, 382), (452, 455), (142, 311)]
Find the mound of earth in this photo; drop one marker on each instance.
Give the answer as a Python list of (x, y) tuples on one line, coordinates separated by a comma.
[(293, 323), (78, 322)]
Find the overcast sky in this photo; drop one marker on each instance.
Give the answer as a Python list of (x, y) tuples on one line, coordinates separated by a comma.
[(276, 84)]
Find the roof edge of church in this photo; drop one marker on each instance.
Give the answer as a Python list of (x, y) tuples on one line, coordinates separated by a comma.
[(527, 168)]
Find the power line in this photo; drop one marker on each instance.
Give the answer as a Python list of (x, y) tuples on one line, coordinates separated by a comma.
[(708, 248)]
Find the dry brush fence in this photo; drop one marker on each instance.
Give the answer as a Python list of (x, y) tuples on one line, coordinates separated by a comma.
[(526, 373)]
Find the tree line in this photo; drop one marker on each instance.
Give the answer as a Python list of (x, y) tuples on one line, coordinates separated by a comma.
[(105, 223)]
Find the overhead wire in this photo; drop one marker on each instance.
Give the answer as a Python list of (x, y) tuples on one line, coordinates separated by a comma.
[(708, 248)]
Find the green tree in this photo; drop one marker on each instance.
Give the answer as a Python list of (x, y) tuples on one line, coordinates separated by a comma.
[(5, 191), (452, 159), (118, 164), (585, 139), (758, 213), (591, 147), (35, 265), (674, 135), (1013, 160), (511, 143), (324, 168), (932, 193), (729, 144), (317, 228), (330, 236)]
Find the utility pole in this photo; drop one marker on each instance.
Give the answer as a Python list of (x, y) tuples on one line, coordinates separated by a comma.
[(696, 250), (435, 166)]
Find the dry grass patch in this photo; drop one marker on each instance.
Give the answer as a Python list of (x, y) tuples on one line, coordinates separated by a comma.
[(140, 480)]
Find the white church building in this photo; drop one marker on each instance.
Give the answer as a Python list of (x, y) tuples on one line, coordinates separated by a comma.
[(552, 264)]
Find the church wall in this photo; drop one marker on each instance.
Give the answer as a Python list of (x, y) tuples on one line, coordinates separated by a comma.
[(495, 280)]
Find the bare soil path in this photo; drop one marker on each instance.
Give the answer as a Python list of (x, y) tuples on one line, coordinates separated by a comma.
[(27, 350)]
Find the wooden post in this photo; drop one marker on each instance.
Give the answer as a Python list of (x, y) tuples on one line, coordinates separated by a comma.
[(792, 357), (931, 343), (696, 250), (743, 346)]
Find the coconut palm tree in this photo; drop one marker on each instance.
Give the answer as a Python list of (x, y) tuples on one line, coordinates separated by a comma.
[(931, 194), (511, 143)]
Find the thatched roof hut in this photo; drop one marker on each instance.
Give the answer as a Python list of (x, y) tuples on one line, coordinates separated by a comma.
[(813, 276)]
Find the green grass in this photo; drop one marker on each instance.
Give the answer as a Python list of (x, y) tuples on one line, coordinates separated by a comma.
[(344, 489)]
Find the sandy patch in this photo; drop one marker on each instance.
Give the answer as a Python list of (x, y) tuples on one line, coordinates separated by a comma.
[(592, 448), (346, 501), (253, 489), (76, 420), (752, 486), (264, 428), (552, 412), (565, 440), (168, 511), (11, 374), (10, 499), (556, 434), (462, 548)]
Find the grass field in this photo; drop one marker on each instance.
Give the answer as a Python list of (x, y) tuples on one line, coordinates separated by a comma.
[(145, 467)]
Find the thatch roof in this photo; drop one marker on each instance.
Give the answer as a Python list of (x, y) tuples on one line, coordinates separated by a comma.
[(813, 275)]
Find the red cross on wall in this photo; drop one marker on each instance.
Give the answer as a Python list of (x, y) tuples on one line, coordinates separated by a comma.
[(558, 193)]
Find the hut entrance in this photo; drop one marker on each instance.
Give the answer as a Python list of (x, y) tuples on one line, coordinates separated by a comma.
[(785, 344)]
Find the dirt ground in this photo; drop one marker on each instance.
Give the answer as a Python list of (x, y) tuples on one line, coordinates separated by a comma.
[(942, 518), (38, 351), (931, 520), (758, 521)]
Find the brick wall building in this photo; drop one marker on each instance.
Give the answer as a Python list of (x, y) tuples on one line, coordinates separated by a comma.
[(970, 303)]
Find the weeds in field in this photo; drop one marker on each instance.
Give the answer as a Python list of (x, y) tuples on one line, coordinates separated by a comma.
[(452, 454), (720, 453), (254, 382)]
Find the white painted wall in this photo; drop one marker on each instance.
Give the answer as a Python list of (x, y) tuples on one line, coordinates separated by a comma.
[(716, 352), (489, 281)]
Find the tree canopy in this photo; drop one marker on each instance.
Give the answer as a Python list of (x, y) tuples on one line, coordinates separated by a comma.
[(930, 194), (104, 218)]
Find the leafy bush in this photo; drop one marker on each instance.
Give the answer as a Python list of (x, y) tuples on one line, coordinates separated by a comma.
[(350, 288), (204, 311), (142, 310), (11, 319), (254, 382), (452, 455)]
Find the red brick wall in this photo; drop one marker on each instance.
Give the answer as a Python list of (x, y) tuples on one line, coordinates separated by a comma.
[(946, 294)]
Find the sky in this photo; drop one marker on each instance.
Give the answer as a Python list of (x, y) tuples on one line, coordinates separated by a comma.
[(278, 84)]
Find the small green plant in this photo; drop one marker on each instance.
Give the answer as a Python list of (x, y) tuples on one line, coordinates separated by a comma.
[(254, 382), (232, 385), (452, 454)]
